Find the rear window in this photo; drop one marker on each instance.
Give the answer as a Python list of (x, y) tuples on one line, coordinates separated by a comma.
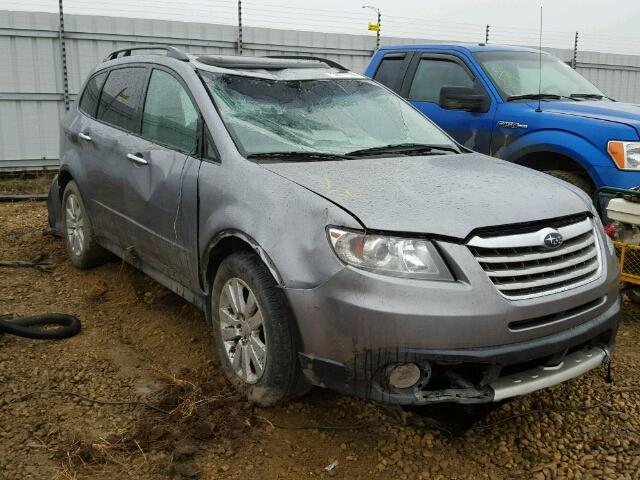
[(120, 99), (91, 94), (389, 71)]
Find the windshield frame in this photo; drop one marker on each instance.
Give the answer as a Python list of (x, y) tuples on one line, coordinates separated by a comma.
[(246, 154), (496, 85)]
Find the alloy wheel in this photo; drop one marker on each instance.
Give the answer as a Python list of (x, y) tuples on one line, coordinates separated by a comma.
[(75, 224), (242, 330)]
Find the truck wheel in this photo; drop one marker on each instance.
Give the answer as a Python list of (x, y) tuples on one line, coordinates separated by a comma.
[(253, 332), (573, 178), (84, 251), (633, 295)]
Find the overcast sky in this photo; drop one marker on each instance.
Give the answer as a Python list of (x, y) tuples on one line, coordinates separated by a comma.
[(607, 26)]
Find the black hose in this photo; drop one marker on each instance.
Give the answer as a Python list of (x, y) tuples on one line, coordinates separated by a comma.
[(32, 326), (22, 198)]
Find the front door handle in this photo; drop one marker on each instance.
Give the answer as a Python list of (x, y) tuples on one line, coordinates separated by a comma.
[(84, 137), (136, 158)]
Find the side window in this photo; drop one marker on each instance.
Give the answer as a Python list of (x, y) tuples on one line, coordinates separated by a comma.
[(121, 96), (169, 116), (433, 74), (389, 71), (89, 100)]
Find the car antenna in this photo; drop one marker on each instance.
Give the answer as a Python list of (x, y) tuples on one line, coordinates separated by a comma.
[(540, 64)]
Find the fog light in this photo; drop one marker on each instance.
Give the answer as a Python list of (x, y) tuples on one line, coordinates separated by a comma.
[(404, 375)]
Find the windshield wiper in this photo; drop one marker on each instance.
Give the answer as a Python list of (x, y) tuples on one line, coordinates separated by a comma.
[(539, 96), (594, 96), (300, 155), (404, 148)]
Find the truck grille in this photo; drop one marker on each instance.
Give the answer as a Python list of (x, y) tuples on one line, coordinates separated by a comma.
[(520, 265)]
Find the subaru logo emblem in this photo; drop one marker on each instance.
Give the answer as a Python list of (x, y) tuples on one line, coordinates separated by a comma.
[(552, 239)]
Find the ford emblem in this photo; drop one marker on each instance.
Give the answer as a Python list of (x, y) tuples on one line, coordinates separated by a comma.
[(553, 240)]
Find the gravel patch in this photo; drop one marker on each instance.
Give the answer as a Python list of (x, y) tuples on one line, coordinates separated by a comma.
[(142, 345)]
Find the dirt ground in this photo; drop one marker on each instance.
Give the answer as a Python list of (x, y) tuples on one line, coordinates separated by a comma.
[(164, 410)]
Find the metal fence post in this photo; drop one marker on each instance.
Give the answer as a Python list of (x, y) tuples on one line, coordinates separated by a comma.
[(63, 56), (239, 27), (574, 61), (486, 34), (378, 32)]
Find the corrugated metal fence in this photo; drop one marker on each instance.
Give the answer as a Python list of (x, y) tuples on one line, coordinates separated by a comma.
[(31, 78)]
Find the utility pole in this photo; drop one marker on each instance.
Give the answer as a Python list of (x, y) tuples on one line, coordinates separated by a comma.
[(239, 27), (486, 34), (63, 56), (574, 61), (376, 26)]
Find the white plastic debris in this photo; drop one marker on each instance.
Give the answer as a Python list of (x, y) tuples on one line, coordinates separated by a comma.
[(331, 466)]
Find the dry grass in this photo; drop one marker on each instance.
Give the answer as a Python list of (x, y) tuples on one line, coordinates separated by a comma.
[(26, 183), (201, 408)]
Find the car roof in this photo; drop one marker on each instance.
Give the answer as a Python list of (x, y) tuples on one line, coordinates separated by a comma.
[(275, 67), (468, 47)]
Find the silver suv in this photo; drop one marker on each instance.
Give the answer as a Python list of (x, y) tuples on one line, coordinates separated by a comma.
[(331, 233)]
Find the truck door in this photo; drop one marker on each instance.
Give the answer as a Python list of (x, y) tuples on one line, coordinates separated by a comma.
[(427, 75)]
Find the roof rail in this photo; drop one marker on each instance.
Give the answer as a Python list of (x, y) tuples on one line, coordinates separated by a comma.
[(172, 52), (326, 61)]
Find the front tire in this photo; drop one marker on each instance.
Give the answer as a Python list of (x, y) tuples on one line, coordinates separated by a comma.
[(82, 247), (253, 330), (574, 179)]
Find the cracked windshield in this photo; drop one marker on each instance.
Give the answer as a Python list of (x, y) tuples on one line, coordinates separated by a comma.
[(321, 116)]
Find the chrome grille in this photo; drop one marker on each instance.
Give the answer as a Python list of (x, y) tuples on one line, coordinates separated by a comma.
[(520, 266)]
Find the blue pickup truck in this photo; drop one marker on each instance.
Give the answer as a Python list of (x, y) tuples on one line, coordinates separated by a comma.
[(498, 100)]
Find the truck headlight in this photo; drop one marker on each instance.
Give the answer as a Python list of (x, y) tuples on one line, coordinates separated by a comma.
[(396, 256), (626, 155)]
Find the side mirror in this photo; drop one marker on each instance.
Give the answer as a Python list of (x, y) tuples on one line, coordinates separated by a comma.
[(463, 98)]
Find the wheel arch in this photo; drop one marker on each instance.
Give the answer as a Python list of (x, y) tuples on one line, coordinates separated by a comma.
[(550, 159), (64, 177), (224, 244)]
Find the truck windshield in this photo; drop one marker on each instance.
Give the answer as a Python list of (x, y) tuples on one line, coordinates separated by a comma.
[(328, 118), (516, 74)]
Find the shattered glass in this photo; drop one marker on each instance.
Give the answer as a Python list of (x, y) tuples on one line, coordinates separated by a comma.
[(333, 116)]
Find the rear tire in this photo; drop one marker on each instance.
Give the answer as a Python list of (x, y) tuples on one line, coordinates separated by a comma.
[(253, 331), (82, 247), (574, 179)]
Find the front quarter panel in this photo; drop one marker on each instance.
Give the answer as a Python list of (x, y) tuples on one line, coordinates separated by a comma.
[(583, 140), (284, 220)]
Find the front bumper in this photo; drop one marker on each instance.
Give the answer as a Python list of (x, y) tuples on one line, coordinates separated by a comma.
[(463, 335), (610, 176), (571, 366), (477, 375)]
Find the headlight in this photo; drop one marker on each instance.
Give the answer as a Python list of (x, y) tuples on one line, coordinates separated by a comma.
[(396, 256), (626, 155)]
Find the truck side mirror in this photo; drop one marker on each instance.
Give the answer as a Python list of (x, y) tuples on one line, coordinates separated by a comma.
[(463, 98)]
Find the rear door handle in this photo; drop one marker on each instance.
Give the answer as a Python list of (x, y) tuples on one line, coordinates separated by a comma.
[(84, 137), (136, 158)]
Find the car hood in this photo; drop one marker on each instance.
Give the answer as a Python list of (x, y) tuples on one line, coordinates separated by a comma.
[(448, 195), (618, 112)]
